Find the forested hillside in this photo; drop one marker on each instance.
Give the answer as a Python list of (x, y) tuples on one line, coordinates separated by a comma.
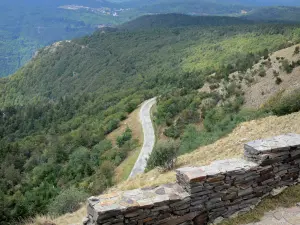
[(57, 110), (179, 20), (26, 26), (29, 25), (273, 14), (198, 7)]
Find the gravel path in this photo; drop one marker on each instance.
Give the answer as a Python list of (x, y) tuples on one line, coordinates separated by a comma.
[(149, 138)]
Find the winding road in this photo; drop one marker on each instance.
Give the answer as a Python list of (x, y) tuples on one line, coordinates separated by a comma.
[(149, 138)]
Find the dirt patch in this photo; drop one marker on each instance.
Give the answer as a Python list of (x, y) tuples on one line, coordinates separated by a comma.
[(133, 122), (265, 87), (259, 89)]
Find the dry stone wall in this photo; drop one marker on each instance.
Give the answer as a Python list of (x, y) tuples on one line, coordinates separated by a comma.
[(208, 194)]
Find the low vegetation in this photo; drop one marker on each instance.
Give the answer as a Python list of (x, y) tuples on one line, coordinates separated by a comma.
[(67, 201), (284, 103), (164, 155)]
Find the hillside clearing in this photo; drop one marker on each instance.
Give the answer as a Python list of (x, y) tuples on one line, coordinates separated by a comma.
[(265, 87), (132, 122), (134, 125)]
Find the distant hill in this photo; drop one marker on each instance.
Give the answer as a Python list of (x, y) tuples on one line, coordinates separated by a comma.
[(198, 7), (280, 13), (266, 2), (35, 24), (180, 20)]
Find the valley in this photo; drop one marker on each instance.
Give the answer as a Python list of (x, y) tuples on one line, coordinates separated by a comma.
[(116, 88)]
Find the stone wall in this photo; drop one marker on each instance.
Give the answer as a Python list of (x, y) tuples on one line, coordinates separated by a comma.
[(207, 194)]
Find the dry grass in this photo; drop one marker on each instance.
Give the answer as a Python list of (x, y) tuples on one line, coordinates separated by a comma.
[(228, 147), (123, 171), (71, 218), (67, 219), (41, 220), (265, 87)]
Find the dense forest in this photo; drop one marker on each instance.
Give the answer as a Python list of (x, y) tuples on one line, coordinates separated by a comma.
[(26, 26), (34, 24), (58, 108)]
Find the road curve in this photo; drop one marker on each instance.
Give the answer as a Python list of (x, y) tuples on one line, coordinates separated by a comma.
[(149, 138)]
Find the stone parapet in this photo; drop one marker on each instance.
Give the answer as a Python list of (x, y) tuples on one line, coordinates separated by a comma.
[(206, 194)]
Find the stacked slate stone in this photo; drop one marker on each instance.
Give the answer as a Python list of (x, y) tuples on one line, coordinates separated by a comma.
[(220, 189), (226, 187), (166, 204), (207, 194), (279, 158)]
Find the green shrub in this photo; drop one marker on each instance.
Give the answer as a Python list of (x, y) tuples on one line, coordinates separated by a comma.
[(275, 73), (296, 51), (67, 201), (164, 155), (285, 104), (287, 67), (112, 125), (278, 80), (126, 136), (218, 124), (103, 178), (214, 86), (262, 73), (173, 132), (266, 53)]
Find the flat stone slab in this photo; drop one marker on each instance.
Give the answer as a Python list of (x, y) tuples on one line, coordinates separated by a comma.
[(282, 216), (198, 174), (138, 198), (273, 144)]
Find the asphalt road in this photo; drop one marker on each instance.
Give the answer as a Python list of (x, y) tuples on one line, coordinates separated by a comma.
[(149, 138)]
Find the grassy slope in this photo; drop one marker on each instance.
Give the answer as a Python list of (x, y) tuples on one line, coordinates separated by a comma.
[(124, 169), (228, 147)]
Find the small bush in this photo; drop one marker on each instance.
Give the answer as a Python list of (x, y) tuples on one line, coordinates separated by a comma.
[(284, 104), (296, 51), (278, 80), (275, 73), (287, 67), (67, 201), (112, 125), (262, 73), (126, 136), (164, 155), (172, 132), (214, 86), (266, 53)]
